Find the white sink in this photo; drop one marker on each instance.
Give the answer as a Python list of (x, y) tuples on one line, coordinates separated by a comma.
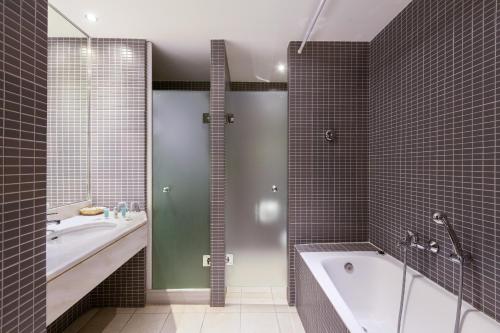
[(78, 232), (83, 251), (77, 238)]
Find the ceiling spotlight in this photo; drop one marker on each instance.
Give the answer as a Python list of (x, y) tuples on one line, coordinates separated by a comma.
[(281, 68), (91, 17)]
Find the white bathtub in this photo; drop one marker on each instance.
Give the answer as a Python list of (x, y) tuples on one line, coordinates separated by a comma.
[(367, 299)]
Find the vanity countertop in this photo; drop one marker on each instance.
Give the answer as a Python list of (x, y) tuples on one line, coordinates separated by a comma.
[(77, 238)]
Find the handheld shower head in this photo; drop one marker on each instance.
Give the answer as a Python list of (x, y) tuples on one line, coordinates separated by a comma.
[(439, 218)]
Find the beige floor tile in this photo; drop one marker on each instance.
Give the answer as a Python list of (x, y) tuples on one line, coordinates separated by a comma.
[(247, 294), (233, 298), (285, 308), (279, 290), (106, 320), (280, 301), (231, 308), (256, 301), (290, 323), (153, 308), (258, 308), (79, 323), (183, 322), (259, 323), (188, 308), (125, 310), (221, 323), (256, 289), (145, 323), (233, 289), (279, 295)]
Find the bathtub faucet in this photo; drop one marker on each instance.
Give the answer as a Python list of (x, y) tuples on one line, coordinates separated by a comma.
[(412, 240)]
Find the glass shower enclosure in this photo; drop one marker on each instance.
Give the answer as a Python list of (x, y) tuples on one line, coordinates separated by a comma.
[(180, 190), (256, 188)]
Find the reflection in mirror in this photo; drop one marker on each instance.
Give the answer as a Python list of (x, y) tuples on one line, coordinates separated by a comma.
[(67, 112)]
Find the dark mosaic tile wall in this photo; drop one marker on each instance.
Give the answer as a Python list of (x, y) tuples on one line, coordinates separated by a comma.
[(118, 121), (327, 181), (182, 85), (219, 82), (23, 112), (316, 312), (72, 314), (205, 86), (434, 139), (67, 121), (258, 86), (126, 287)]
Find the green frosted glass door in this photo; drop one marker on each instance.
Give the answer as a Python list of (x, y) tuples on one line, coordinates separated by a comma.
[(180, 189)]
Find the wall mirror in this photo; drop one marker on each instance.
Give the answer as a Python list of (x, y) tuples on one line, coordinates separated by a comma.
[(68, 88)]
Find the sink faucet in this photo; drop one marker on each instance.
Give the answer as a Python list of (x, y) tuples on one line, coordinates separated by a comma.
[(459, 255), (56, 222)]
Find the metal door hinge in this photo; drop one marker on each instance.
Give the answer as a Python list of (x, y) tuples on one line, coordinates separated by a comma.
[(206, 118), (229, 117), (207, 261)]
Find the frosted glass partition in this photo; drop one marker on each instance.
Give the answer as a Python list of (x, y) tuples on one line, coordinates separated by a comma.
[(180, 189), (256, 155)]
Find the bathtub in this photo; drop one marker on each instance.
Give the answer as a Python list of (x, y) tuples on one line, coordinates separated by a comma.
[(367, 298)]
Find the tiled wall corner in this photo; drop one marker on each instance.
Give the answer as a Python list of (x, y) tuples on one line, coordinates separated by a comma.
[(327, 182), (118, 121), (434, 139), (67, 121), (219, 82), (23, 89)]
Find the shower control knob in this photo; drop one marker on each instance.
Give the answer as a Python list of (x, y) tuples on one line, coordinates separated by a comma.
[(166, 189), (329, 136), (274, 188)]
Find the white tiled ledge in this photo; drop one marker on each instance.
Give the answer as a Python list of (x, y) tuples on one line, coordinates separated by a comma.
[(76, 271), (63, 256)]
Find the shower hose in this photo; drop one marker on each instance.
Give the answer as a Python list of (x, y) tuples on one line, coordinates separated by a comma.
[(459, 300), (401, 303)]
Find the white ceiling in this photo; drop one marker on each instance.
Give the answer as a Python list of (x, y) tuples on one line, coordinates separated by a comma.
[(60, 27), (257, 31)]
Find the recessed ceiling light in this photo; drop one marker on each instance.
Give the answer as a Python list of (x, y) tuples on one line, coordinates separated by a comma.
[(91, 17), (281, 68)]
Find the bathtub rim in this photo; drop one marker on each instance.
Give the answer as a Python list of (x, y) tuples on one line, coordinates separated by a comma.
[(314, 262)]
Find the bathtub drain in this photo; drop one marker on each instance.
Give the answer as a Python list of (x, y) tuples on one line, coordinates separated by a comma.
[(349, 267)]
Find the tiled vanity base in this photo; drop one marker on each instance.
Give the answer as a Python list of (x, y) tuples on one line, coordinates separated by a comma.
[(126, 287), (315, 310)]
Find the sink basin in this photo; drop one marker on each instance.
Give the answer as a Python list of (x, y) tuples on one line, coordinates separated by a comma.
[(79, 230)]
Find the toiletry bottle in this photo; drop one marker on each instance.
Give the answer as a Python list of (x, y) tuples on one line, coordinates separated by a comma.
[(106, 212)]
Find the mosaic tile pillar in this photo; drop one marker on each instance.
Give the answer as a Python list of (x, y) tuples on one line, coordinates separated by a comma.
[(23, 115), (219, 79)]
